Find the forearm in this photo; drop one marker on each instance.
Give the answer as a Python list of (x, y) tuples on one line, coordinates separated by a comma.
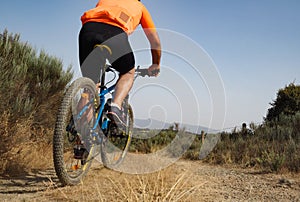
[(156, 55), (155, 47)]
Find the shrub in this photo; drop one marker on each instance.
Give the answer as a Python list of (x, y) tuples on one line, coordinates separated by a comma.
[(31, 86), (273, 146)]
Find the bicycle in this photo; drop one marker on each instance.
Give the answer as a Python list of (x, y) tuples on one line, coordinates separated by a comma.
[(83, 131)]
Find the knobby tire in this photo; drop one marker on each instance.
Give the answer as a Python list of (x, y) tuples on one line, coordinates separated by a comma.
[(60, 139)]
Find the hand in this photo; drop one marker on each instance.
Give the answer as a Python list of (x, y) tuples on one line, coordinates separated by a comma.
[(154, 70)]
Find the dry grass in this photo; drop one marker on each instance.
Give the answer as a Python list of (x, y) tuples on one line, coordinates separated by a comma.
[(23, 147), (153, 187), (112, 186), (25, 157)]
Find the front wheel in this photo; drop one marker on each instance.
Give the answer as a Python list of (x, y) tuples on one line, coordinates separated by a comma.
[(73, 146), (115, 147)]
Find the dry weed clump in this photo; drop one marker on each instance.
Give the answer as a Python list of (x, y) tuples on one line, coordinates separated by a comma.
[(112, 186), (22, 147)]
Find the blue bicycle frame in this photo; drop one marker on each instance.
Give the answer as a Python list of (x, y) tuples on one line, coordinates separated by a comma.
[(103, 92)]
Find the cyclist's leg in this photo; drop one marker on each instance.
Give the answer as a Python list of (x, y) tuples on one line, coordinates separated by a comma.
[(122, 58), (125, 66), (123, 87), (123, 62)]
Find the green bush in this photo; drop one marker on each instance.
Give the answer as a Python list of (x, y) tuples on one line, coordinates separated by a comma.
[(273, 146), (159, 139), (31, 86), (30, 83)]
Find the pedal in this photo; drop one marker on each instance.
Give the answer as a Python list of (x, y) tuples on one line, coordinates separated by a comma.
[(80, 152)]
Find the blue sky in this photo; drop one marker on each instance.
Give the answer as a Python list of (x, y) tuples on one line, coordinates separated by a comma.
[(254, 44)]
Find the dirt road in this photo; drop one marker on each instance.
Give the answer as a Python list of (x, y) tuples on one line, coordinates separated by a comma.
[(182, 181)]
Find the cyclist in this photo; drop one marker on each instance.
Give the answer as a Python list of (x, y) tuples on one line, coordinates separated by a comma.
[(110, 23)]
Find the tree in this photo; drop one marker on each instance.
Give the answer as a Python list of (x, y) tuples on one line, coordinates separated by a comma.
[(287, 103)]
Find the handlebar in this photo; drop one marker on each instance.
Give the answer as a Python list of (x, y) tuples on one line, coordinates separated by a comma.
[(144, 72), (138, 71)]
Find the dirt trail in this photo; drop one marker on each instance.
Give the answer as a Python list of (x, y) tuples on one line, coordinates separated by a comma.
[(182, 181)]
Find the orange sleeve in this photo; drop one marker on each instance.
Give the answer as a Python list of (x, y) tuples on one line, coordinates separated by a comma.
[(146, 20)]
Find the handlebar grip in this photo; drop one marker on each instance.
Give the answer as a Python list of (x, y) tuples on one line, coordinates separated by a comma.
[(143, 72)]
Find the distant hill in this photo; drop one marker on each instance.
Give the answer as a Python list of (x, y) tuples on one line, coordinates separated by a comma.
[(156, 124)]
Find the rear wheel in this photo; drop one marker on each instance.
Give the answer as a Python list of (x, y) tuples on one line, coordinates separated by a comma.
[(115, 147), (73, 146)]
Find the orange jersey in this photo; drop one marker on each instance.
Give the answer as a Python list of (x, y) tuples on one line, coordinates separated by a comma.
[(126, 14)]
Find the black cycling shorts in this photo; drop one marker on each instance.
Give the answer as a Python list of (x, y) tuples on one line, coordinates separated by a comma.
[(115, 38)]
